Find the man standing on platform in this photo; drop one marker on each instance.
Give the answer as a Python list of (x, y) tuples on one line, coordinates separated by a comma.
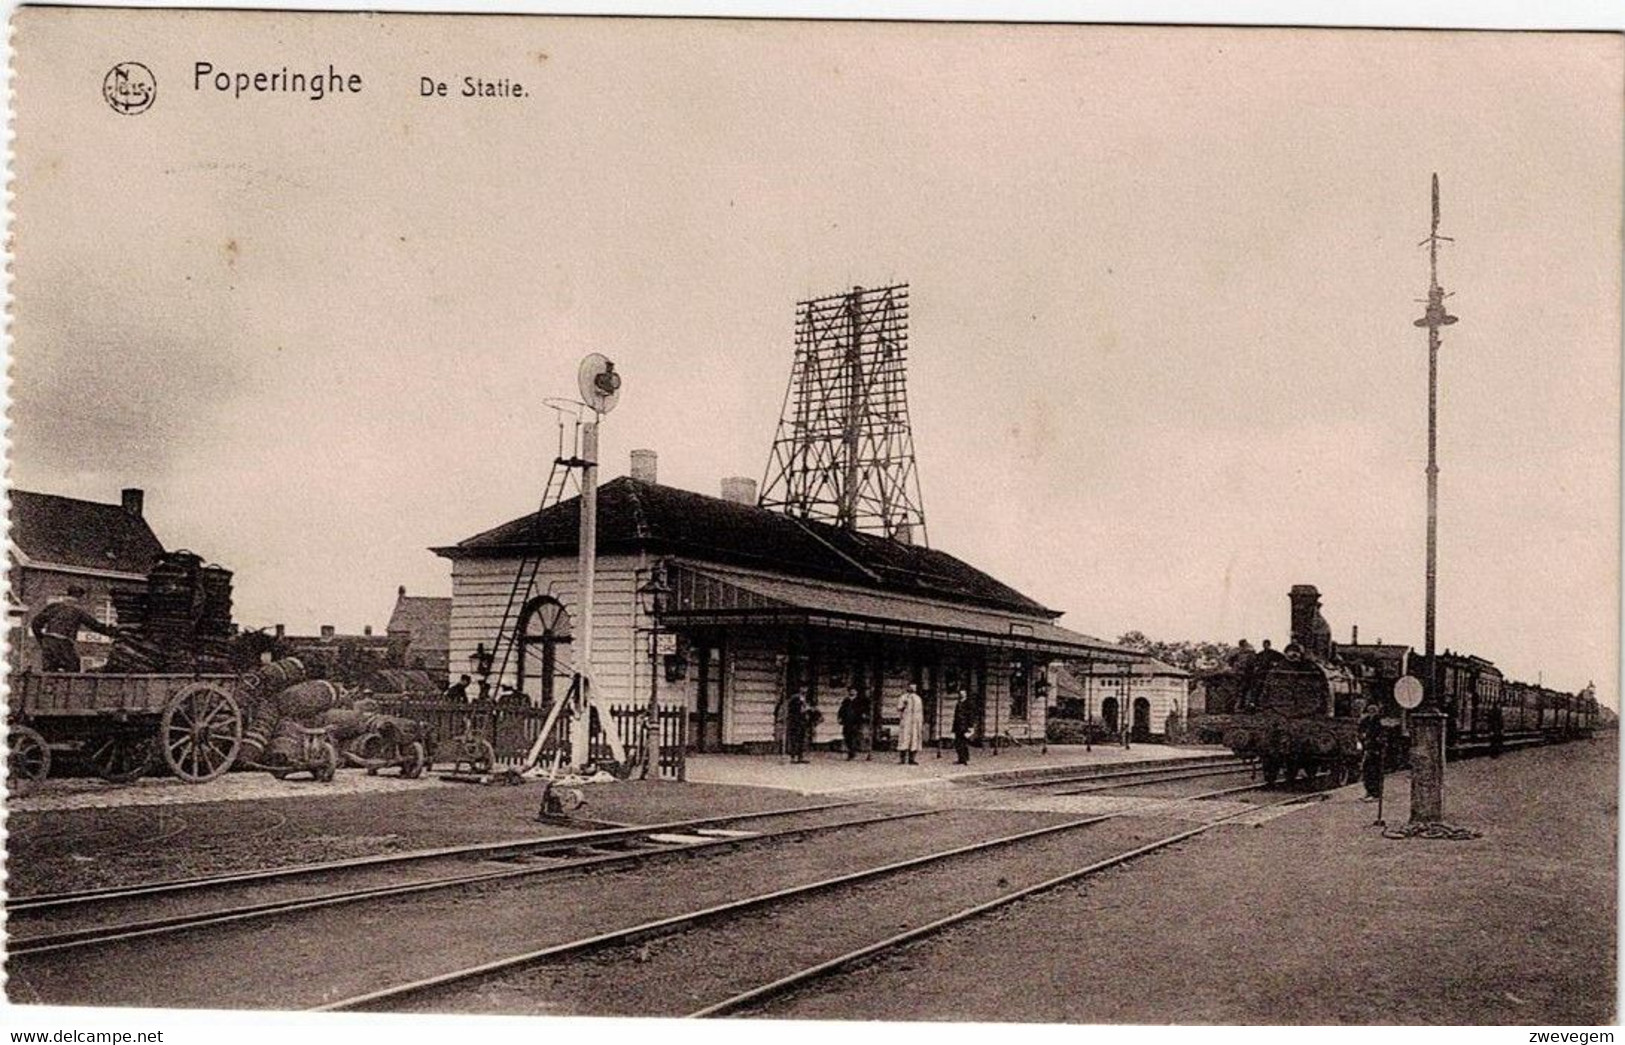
[(795, 727), (850, 715), (964, 721), (910, 726), (1371, 738)]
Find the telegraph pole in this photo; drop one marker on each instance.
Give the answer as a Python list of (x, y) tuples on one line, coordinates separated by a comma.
[(1428, 721)]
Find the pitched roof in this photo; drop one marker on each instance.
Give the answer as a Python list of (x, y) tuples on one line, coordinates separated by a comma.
[(65, 531), (639, 516), (718, 593), (425, 619)]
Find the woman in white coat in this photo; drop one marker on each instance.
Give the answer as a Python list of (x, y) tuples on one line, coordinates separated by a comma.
[(910, 726)]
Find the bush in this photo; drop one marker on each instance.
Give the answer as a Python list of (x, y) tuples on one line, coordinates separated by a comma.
[(1073, 731)]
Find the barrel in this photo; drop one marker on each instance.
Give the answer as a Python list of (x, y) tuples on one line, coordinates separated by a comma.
[(280, 674), (304, 702)]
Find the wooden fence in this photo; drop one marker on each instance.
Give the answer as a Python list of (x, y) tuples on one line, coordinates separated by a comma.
[(512, 730)]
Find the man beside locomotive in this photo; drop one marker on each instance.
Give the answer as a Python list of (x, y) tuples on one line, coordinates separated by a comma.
[(1371, 743), (56, 627)]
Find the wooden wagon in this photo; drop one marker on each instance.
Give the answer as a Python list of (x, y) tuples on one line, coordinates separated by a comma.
[(123, 724)]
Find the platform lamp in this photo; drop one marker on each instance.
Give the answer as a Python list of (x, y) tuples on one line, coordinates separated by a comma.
[(653, 598)]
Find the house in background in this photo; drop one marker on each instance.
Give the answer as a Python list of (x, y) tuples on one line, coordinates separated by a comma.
[(1146, 692), (760, 604), (424, 623), (62, 542)]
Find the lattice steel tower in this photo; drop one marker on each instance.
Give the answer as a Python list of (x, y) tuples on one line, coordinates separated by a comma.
[(844, 452)]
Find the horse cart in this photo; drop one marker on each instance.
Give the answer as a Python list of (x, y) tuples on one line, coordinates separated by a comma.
[(123, 725)]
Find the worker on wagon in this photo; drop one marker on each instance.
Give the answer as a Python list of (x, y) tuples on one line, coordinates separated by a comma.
[(1371, 745), (850, 715), (910, 726), (457, 692), (57, 628), (964, 722)]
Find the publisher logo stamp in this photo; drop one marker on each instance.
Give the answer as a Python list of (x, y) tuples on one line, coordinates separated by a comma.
[(130, 88)]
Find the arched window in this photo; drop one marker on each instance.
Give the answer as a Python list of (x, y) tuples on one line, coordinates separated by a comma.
[(544, 654)]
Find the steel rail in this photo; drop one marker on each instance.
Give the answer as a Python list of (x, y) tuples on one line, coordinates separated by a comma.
[(105, 934), (1189, 774), (671, 923), (825, 968), (1080, 778), (40, 901)]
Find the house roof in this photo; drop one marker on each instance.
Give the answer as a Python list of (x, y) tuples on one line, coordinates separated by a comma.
[(1384, 649), (639, 516), (424, 619), (65, 531)]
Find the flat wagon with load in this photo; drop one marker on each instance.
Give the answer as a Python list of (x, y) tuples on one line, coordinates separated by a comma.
[(122, 724)]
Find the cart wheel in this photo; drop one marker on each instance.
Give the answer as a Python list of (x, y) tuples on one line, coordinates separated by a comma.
[(327, 763), (201, 732), (121, 756), (413, 767), (28, 760), (485, 758)]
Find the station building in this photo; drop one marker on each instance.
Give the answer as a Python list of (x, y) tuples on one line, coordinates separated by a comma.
[(760, 604)]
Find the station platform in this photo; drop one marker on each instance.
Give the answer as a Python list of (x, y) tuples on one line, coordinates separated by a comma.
[(830, 773)]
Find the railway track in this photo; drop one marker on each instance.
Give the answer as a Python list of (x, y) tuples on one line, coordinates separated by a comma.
[(558, 855), (490, 850), (1106, 780), (742, 1002), (714, 929)]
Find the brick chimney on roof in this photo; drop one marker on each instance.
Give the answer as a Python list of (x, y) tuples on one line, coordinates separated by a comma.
[(739, 490), (645, 466), (134, 500)]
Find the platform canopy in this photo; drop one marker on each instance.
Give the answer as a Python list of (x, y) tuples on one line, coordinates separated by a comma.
[(709, 595)]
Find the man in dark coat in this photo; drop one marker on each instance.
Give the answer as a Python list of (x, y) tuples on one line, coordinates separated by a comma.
[(795, 727), (57, 628), (1498, 732), (457, 692), (850, 715), (965, 717), (1371, 745)]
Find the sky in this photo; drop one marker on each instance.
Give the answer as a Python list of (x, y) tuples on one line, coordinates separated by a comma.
[(1163, 281)]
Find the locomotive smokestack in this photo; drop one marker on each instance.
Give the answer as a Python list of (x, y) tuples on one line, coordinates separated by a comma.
[(1305, 608)]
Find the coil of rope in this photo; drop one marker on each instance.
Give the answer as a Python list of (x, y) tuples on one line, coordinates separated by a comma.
[(1439, 832)]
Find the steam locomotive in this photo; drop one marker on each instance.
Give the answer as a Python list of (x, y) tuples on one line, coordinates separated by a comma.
[(1296, 710)]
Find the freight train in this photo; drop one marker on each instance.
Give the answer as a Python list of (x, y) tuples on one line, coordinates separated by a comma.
[(1296, 710)]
